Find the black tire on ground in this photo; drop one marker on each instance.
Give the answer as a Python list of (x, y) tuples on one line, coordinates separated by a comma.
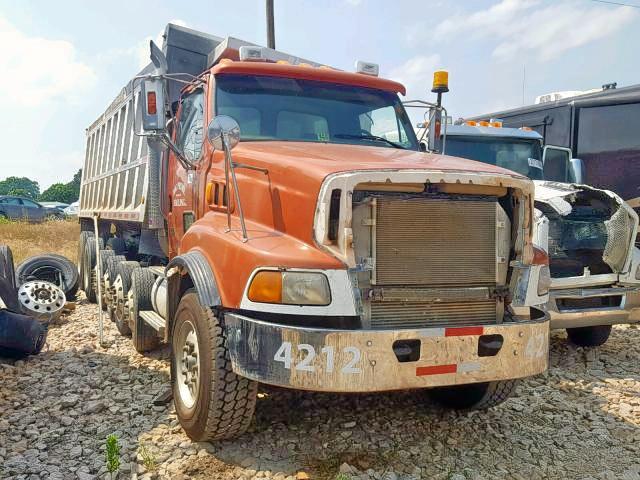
[(144, 337), (223, 403), (84, 235), (475, 396), (117, 244), (52, 268), (7, 270), (589, 336), (120, 311), (88, 265), (8, 289)]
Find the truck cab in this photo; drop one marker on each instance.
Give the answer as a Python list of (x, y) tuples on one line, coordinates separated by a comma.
[(592, 287), (303, 240)]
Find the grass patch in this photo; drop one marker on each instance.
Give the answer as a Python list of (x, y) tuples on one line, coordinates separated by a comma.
[(28, 239)]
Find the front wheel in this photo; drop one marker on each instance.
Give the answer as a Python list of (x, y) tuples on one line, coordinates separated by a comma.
[(589, 336), (212, 402), (475, 396)]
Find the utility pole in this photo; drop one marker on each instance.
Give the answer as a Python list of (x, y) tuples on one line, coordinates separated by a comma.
[(271, 34)]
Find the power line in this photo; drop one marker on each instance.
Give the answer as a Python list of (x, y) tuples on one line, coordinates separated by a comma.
[(609, 2)]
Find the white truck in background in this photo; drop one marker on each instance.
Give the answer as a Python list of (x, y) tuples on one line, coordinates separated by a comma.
[(589, 233)]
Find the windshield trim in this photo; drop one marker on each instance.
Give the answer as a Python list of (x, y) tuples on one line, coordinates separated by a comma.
[(402, 117)]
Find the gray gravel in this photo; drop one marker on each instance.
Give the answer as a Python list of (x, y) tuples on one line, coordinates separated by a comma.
[(580, 420)]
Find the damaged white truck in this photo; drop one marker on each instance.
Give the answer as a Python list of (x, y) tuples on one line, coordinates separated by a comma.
[(589, 233)]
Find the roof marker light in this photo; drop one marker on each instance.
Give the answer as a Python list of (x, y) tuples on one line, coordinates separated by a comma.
[(495, 123), (471, 123), (249, 53), (483, 123), (526, 129), (367, 68)]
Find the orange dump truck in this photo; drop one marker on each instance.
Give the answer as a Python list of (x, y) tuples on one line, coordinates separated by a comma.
[(275, 221)]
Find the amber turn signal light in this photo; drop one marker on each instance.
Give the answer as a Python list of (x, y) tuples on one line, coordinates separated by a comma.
[(266, 287)]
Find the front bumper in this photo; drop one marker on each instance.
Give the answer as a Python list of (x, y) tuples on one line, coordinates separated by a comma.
[(365, 360), (626, 309)]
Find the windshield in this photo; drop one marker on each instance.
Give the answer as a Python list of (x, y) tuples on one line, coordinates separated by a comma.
[(275, 108), (521, 156)]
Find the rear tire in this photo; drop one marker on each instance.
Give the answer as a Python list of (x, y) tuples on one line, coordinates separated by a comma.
[(89, 264), (117, 244), (589, 336), (475, 396), (104, 256), (111, 272), (120, 312), (82, 240), (144, 337), (211, 401)]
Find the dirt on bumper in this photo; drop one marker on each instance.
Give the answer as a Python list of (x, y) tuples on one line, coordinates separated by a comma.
[(380, 360)]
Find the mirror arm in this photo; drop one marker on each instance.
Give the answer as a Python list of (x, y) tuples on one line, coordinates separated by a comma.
[(186, 164), (236, 191)]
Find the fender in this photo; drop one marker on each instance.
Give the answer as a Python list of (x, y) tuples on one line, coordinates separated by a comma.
[(196, 266)]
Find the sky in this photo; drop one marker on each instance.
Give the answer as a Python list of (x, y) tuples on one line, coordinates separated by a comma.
[(63, 62)]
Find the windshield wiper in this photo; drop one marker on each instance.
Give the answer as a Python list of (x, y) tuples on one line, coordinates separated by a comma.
[(370, 137)]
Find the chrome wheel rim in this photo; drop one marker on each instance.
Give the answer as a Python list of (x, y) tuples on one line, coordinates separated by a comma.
[(188, 364)]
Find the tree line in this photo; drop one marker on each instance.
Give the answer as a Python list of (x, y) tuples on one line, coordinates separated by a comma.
[(58, 192)]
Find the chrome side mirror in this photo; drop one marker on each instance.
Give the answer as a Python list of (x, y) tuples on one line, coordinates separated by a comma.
[(223, 129)]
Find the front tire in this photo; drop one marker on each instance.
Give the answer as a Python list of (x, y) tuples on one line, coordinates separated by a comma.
[(589, 336), (475, 396), (212, 402)]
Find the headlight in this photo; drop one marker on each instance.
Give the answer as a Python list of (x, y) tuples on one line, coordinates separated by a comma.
[(544, 281), (290, 288)]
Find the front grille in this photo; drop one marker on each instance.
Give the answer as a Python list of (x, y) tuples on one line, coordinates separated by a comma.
[(435, 242), (431, 314)]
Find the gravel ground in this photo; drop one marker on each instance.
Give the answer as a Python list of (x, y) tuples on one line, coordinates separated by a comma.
[(580, 420)]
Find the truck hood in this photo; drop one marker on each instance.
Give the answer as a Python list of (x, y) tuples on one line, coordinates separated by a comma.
[(590, 231), (322, 159)]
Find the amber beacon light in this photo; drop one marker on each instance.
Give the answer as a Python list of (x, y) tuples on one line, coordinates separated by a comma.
[(440, 81)]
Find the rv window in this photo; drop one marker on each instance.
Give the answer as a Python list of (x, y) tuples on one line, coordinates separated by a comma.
[(609, 129)]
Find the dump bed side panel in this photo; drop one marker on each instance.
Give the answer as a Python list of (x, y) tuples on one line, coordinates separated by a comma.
[(115, 178), (115, 175)]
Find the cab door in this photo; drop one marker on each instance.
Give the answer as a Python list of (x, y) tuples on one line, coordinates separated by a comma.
[(182, 188)]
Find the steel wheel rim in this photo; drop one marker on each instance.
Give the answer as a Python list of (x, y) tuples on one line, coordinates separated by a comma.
[(187, 357)]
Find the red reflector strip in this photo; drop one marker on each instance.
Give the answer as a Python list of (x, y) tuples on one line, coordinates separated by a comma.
[(436, 370), (152, 109), (460, 331)]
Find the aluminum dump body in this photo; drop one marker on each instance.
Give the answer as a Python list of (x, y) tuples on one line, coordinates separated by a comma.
[(118, 168)]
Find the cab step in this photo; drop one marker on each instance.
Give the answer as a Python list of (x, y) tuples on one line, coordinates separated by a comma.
[(154, 320)]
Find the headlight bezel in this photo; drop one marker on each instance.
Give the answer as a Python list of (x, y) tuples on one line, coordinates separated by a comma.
[(281, 287)]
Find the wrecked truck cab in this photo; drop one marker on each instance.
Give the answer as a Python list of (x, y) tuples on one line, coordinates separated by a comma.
[(589, 234)]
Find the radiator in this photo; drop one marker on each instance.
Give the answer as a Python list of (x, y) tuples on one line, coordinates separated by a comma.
[(434, 242)]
